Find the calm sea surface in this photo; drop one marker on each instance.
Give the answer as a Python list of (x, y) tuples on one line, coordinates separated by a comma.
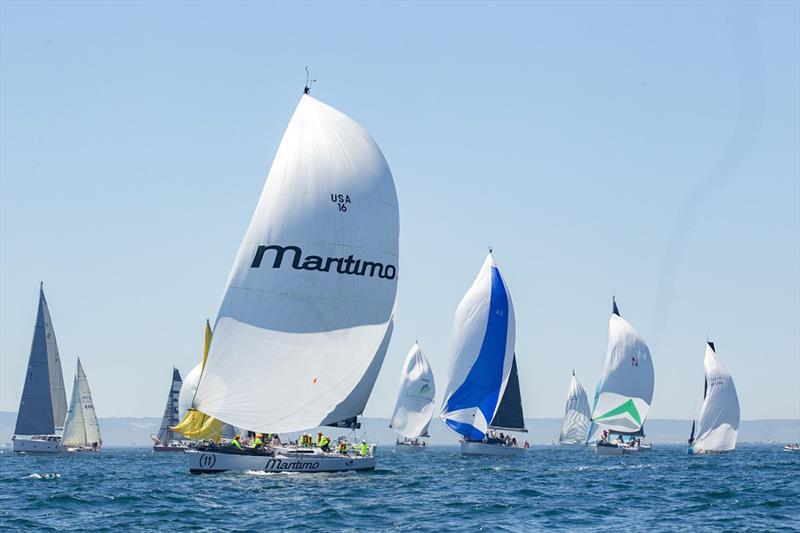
[(756, 487)]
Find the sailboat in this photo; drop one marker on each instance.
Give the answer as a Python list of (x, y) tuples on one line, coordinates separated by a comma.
[(483, 393), (43, 406), (166, 440), (414, 408), (81, 430), (625, 390), (716, 428), (575, 428), (308, 309)]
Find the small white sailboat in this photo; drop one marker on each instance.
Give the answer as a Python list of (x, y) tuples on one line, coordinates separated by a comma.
[(577, 417), (483, 393), (167, 440), (717, 427), (792, 448), (625, 390), (415, 401), (308, 309), (81, 429), (43, 406)]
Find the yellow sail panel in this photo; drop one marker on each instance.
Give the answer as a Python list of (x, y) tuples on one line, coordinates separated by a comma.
[(206, 344), (197, 425)]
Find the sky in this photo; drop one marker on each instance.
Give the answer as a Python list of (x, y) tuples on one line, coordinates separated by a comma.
[(643, 150)]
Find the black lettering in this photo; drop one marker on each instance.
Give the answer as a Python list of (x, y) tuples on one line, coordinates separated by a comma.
[(312, 262), (373, 266), (279, 251)]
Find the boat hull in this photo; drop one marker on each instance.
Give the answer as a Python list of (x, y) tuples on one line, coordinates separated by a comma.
[(45, 444), (409, 448), (484, 448), (207, 462), (790, 448), (613, 449)]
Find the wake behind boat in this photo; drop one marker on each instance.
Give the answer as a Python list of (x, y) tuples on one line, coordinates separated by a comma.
[(43, 406), (483, 391), (415, 401), (308, 309)]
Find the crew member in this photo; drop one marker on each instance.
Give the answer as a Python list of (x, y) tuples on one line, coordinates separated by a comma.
[(364, 448), (257, 442), (235, 442), (343, 447)]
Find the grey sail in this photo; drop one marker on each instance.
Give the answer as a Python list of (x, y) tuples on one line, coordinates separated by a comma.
[(509, 414), (43, 406), (170, 418)]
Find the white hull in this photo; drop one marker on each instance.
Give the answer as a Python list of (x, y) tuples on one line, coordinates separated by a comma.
[(203, 462), (791, 448), (484, 448), (708, 452), (44, 444), (409, 448), (613, 449)]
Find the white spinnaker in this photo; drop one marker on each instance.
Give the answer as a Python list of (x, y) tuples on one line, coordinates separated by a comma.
[(627, 381), (81, 427), (469, 332), (575, 428), (188, 389), (415, 399), (296, 346), (718, 424)]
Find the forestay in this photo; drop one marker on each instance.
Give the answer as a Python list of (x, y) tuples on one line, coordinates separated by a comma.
[(482, 354), (626, 385), (415, 399), (43, 405), (307, 313), (718, 424), (81, 427), (575, 428)]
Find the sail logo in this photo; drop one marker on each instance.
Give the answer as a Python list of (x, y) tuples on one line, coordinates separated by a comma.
[(341, 200), (280, 464), (343, 265)]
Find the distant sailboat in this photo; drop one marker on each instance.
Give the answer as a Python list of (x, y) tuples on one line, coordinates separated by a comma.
[(308, 309), (167, 440), (414, 408), (81, 429), (483, 391), (718, 425), (625, 391), (575, 428), (43, 406)]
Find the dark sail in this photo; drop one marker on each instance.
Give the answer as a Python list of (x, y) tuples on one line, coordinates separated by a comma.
[(43, 406), (170, 418), (509, 414), (351, 423)]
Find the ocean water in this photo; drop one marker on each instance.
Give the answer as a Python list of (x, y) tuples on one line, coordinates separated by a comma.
[(755, 488)]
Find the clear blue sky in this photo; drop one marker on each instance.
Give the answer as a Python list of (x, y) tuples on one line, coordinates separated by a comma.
[(648, 150)]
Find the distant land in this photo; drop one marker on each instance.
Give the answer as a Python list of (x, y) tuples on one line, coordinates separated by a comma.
[(135, 432)]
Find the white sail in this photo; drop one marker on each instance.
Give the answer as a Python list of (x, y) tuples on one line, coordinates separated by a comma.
[(188, 388), (482, 354), (718, 424), (81, 427), (307, 313), (414, 408), (625, 391), (575, 428)]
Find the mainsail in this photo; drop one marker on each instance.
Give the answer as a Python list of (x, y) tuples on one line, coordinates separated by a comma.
[(509, 414), (482, 354), (44, 400), (170, 418), (81, 427), (718, 425), (625, 391), (414, 408), (308, 308), (575, 428)]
